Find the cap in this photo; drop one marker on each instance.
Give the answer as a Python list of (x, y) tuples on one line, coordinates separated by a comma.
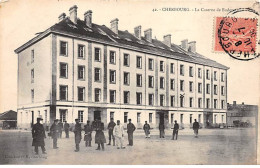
[(175, 121), (76, 119), (129, 119), (56, 120), (39, 118)]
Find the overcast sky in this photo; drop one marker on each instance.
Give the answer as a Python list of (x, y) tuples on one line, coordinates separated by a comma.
[(21, 19)]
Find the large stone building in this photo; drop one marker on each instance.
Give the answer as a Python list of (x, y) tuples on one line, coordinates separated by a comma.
[(78, 69)]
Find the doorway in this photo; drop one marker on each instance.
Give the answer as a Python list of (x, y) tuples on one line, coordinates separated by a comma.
[(97, 115), (161, 117)]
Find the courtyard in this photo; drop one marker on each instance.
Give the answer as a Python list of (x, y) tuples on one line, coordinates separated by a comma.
[(214, 146)]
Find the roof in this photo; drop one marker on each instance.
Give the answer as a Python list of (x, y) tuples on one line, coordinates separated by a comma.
[(123, 39), (8, 115)]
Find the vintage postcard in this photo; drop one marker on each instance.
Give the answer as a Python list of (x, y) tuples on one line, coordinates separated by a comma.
[(129, 82)]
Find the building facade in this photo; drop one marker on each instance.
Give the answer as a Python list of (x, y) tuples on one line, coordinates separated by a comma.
[(78, 69)]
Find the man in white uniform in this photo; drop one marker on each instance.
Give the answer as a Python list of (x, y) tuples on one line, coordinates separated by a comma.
[(119, 135)]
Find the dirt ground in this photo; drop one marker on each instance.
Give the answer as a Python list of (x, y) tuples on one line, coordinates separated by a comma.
[(214, 146)]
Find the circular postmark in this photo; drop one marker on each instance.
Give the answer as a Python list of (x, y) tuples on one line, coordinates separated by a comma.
[(238, 35)]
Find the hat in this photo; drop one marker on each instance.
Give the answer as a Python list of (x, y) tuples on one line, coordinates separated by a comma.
[(175, 121), (76, 119), (39, 118), (56, 120), (129, 119)]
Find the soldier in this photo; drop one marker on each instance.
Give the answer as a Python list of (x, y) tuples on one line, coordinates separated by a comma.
[(175, 130), (54, 131), (196, 127), (146, 129), (77, 132), (130, 130), (38, 135), (119, 135), (66, 129), (60, 128), (161, 129), (110, 128), (88, 132), (99, 137)]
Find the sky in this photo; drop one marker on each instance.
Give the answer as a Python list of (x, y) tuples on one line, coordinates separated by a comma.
[(20, 20)]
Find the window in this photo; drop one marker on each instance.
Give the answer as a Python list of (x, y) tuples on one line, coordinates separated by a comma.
[(215, 103), (190, 118), (199, 87), (126, 78), (112, 96), (80, 116), (112, 76), (222, 90), (199, 118), (138, 98), (150, 64), (150, 80), (126, 59), (63, 70), (138, 117), (172, 68), (112, 114), (191, 86), (172, 101), (222, 77), (150, 117), (63, 92), (182, 70), (32, 56), (222, 104), (172, 118), (215, 89), (222, 118), (63, 115), (199, 73), (125, 117), (182, 101), (97, 95), (208, 88), (32, 95), (97, 54), (81, 51), (63, 48), (126, 97), (161, 66), (215, 118), (138, 80), (162, 82), (139, 62), (150, 99), (215, 75), (172, 84), (45, 116), (97, 75), (81, 93), (191, 102), (207, 74), (207, 103), (199, 102), (32, 75), (81, 72), (112, 57), (182, 85), (161, 100), (191, 71)]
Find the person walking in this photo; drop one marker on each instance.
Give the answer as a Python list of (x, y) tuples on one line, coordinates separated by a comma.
[(130, 131), (119, 135), (54, 132), (99, 137), (77, 132), (60, 128), (38, 135), (110, 128), (175, 130), (196, 127), (146, 129), (66, 129), (88, 132), (161, 129)]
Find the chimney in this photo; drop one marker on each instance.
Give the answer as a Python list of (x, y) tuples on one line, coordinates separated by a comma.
[(138, 32), (114, 25), (73, 14), (148, 35), (88, 18), (192, 46), (62, 16), (167, 40), (184, 44), (234, 103)]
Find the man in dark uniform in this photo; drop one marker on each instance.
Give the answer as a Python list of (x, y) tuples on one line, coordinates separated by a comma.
[(55, 133), (110, 128), (99, 137), (77, 132), (175, 130), (88, 132), (38, 135), (130, 131), (146, 129), (196, 127), (66, 129), (60, 128), (161, 129)]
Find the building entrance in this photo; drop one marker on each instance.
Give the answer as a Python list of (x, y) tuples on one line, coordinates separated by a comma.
[(97, 115)]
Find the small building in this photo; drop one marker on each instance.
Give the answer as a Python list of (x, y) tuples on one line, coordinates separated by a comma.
[(8, 119), (242, 114)]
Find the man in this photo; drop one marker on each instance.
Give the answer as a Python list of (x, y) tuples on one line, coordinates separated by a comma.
[(130, 130), (146, 129), (110, 128), (66, 129), (119, 135), (161, 129), (175, 130), (196, 127), (38, 135), (60, 128), (100, 136), (77, 132), (54, 131), (88, 132)]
